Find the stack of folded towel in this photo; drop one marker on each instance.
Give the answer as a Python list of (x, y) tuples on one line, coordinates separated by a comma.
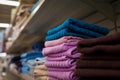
[(61, 57), (73, 27), (40, 72), (100, 58), (61, 47), (26, 68)]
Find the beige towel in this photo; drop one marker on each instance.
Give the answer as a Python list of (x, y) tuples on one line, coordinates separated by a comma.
[(41, 67), (40, 73), (42, 78)]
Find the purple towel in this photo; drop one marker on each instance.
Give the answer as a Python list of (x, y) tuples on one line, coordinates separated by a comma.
[(71, 53), (59, 48), (61, 64), (62, 58), (69, 75), (65, 39), (62, 69)]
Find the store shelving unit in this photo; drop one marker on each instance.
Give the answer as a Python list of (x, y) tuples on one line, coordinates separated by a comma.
[(47, 15)]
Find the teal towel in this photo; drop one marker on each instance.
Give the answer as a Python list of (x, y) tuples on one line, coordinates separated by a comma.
[(64, 32), (82, 26)]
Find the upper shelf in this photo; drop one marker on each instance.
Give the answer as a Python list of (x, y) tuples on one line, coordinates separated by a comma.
[(47, 15)]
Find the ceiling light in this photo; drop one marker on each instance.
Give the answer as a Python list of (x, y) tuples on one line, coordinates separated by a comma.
[(4, 25), (10, 3)]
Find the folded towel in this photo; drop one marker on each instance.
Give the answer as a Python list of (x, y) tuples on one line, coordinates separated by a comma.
[(104, 57), (61, 64), (31, 55), (65, 39), (40, 73), (98, 78), (25, 69), (69, 75), (41, 67), (80, 24), (62, 58), (39, 61), (52, 78), (70, 53), (101, 49), (65, 32), (42, 78), (110, 39), (59, 48), (98, 64), (97, 73), (72, 68)]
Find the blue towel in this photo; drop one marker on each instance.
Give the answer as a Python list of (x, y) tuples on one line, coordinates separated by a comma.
[(64, 32), (31, 55), (80, 24), (25, 69)]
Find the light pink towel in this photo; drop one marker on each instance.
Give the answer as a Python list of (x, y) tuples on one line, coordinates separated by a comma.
[(59, 48), (65, 39), (70, 53), (61, 64)]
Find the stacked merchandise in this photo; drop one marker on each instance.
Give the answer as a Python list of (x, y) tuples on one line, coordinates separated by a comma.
[(41, 72), (61, 47), (27, 64), (100, 58), (30, 59)]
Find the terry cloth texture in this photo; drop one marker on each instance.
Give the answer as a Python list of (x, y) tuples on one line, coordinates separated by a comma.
[(98, 64), (78, 24), (79, 30), (97, 73), (40, 72), (110, 39), (42, 78), (97, 78), (70, 53), (105, 57), (31, 55), (72, 68), (61, 64), (69, 75), (41, 67), (59, 48), (65, 39), (101, 49), (65, 32)]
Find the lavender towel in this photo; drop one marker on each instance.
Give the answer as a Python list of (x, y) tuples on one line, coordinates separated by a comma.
[(62, 69), (65, 39), (69, 75), (61, 64), (70, 53), (79, 24), (65, 32), (59, 48)]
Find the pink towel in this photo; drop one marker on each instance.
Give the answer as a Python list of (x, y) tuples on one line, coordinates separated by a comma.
[(63, 69), (62, 58), (59, 48), (71, 53), (61, 64), (68, 75), (65, 39)]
